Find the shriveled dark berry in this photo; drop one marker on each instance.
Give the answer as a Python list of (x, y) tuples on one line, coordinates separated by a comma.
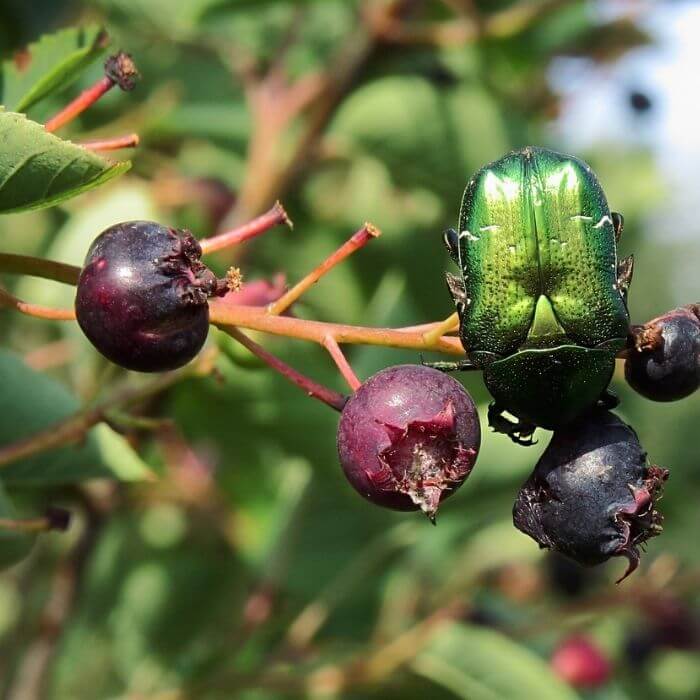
[(592, 495), (581, 663), (142, 296), (664, 365), (408, 438)]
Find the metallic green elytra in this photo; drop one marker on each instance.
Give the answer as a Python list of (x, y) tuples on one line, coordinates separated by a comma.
[(541, 296)]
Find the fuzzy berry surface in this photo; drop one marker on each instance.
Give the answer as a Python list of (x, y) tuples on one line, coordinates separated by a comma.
[(665, 363), (142, 296), (408, 438), (592, 494)]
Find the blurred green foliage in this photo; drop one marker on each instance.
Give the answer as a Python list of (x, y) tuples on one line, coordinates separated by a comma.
[(250, 569)]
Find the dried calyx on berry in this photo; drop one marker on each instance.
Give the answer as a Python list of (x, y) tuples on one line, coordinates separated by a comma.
[(408, 438), (664, 364), (592, 494), (142, 296)]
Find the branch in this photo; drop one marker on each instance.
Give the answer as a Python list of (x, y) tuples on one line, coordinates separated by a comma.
[(32, 676), (119, 70), (112, 144), (276, 215), (9, 301), (309, 386), (355, 242), (451, 323), (38, 267), (342, 363), (222, 314), (74, 428)]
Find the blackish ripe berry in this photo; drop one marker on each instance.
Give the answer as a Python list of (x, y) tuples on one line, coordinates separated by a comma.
[(408, 438), (639, 101), (142, 296), (579, 662), (592, 494), (664, 365)]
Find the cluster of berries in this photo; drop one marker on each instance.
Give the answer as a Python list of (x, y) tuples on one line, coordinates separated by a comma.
[(409, 436)]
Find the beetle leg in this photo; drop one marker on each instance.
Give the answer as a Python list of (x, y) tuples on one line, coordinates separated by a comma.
[(618, 222), (518, 431), (461, 366), (451, 241), (608, 400), (458, 292), (625, 268)]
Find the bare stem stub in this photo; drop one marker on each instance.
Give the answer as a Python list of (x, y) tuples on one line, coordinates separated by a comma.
[(275, 216), (53, 519), (121, 70), (355, 242), (112, 144)]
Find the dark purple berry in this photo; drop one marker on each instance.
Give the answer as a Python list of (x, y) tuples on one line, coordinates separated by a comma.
[(142, 296), (408, 438), (639, 101), (592, 494), (664, 365)]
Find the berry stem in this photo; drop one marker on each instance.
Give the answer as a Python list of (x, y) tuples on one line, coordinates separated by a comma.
[(9, 301), (113, 144), (355, 242), (38, 267), (74, 428), (312, 388), (84, 100), (275, 216), (450, 324), (254, 318), (53, 519), (341, 362), (119, 70)]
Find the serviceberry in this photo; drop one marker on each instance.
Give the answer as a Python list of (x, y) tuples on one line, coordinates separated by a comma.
[(581, 663), (592, 494), (664, 365), (408, 438), (142, 296)]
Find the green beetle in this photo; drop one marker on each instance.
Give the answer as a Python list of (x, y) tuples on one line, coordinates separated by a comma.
[(542, 298)]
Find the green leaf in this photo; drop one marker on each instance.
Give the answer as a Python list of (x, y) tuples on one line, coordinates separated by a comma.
[(38, 169), (118, 456), (476, 663), (30, 402), (14, 546), (55, 61)]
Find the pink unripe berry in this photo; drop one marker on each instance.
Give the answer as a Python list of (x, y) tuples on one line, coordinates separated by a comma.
[(579, 662)]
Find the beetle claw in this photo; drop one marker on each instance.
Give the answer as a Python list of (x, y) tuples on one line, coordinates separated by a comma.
[(625, 269), (462, 365), (520, 432), (618, 222), (608, 400)]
